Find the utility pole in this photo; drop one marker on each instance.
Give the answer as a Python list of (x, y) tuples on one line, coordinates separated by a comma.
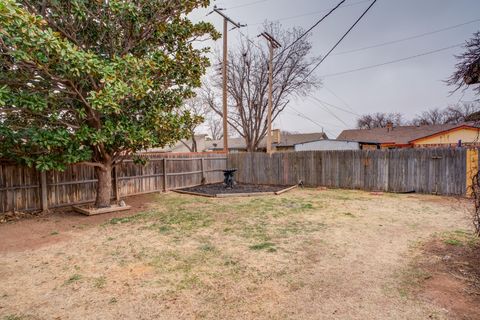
[(273, 44), (226, 20)]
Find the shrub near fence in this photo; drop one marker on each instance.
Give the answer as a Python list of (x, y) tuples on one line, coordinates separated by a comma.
[(25, 189), (433, 171)]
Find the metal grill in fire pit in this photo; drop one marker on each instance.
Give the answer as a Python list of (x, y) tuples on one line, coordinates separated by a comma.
[(229, 179)]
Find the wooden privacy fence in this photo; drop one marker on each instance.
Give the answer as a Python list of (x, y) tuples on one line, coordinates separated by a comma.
[(25, 189), (433, 171)]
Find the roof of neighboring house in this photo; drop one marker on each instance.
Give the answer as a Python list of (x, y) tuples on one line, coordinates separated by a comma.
[(286, 140), (329, 140), (179, 146), (233, 143), (398, 135), (291, 139)]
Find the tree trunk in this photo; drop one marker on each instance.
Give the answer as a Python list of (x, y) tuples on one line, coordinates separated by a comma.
[(104, 186), (194, 144)]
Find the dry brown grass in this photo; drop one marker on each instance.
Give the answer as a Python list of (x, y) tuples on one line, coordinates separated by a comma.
[(307, 254)]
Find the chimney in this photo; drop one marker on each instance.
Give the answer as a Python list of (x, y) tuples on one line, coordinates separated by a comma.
[(389, 126), (276, 136)]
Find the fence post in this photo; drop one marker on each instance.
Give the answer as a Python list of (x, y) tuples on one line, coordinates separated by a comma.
[(472, 169), (387, 171), (165, 189), (204, 179), (115, 181), (43, 190)]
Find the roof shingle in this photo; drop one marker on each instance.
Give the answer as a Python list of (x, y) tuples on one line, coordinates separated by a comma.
[(397, 135)]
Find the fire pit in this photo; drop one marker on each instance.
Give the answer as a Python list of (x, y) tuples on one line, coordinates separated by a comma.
[(229, 180)]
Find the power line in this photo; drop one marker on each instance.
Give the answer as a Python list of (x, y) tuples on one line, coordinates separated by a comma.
[(334, 106), (315, 123), (311, 13), (343, 37), (249, 40), (392, 61), (304, 116), (339, 98), (407, 38), (247, 4), (311, 28), (331, 112)]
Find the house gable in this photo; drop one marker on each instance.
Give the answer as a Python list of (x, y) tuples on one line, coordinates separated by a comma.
[(466, 134)]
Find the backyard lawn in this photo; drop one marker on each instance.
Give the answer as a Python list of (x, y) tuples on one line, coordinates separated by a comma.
[(306, 254)]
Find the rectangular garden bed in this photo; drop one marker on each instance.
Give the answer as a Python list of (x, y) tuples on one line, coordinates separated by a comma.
[(91, 211), (218, 190)]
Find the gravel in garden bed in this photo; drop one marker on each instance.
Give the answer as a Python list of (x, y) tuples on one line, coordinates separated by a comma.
[(219, 188)]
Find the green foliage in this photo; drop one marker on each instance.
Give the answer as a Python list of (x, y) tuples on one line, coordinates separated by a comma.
[(100, 282), (460, 238), (73, 279), (96, 80), (12, 317), (270, 247)]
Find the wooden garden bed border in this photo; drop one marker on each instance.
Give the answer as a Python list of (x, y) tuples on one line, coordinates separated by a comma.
[(95, 211), (233, 195)]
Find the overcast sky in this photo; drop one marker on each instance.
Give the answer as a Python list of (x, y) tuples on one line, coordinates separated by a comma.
[(408, 87)]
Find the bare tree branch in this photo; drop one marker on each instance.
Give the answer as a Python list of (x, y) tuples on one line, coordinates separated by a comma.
[(468, 66), (248, 82)]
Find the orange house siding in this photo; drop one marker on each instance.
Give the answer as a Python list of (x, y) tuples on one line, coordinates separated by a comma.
[(467, 135)]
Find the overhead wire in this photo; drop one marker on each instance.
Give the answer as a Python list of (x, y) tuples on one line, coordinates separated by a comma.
[(334, 106), (311, 28), (303, 35), (304, 116), (338, 97), (392, 61), (249, 40), (341, 39), (407, 38), (310, 13), (321, 105), (247, 4)]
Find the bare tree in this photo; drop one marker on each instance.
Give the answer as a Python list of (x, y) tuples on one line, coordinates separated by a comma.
[(462, 112), (430, 117), (476, 197), (215, 126), (213, 119), (199, 111), (454, 114), (248, 81), (206, 119), (379, 120), (468, 67), (468, 73)]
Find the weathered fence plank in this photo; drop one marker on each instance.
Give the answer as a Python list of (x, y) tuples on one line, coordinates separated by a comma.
[(25, 189), (432, 171)]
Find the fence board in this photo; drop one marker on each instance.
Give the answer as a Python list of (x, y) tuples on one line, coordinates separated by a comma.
[(20, 187), (432, 171)]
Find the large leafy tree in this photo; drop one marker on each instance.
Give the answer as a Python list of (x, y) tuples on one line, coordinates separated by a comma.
[(93, 81)]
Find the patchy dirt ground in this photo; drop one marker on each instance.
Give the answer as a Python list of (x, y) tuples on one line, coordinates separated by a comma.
[(307, 254), (37, 231), (450, 269)]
